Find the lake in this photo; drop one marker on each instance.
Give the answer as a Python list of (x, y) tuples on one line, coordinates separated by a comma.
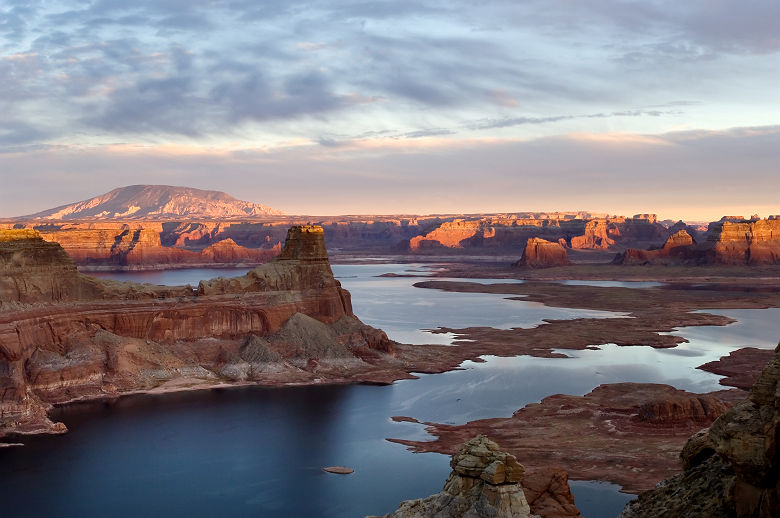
[(258, 451)]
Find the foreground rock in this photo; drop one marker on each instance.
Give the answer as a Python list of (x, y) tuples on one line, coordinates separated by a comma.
[(484, 482), (66, 336), (540, 253), (625, 433), (733, 468)]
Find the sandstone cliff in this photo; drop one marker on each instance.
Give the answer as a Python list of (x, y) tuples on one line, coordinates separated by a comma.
[(729, 241), (732, 469), (744, 242), (540, 253), (484, 482), (65, 335), (676, 250)]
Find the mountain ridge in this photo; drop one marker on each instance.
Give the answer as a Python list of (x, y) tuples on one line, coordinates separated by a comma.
[(155, 202)]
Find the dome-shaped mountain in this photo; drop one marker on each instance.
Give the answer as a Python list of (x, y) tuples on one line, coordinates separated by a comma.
[(145, 202)]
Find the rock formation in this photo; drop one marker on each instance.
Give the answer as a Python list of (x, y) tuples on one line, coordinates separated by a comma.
[(733, 468), (65, 335), (729, 241), (625, 433), (596, 236), (138, 245), (744, 242), (540, 253), (484, 482), (675, 250), (137, 202)]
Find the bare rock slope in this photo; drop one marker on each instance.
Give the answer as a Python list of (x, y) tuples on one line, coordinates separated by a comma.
[(155, 202)]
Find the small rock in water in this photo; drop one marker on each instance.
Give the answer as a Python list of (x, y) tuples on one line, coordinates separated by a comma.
[(341, 470)]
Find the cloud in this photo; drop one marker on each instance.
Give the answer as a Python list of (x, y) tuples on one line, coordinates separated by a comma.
[(176, 70), (693, 174), (506, 122), (14, 133)]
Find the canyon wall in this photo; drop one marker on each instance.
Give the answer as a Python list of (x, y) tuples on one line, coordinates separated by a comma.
[(512, 233), (65, 335), (730, 241)]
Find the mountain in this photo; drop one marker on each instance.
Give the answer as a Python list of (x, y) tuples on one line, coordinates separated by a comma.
[(155, 202)]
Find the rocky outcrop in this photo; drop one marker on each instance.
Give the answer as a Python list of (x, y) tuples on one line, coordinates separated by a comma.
[(495, 233), (730, 241), (625, 433), (603, 234), (676, 250), (65, 335), (596, 236), (540, 253), (741, 368), (733, 468), (138, 202), (744, 242), (33, 270), (139, 246), (484, 482), (228, 251)]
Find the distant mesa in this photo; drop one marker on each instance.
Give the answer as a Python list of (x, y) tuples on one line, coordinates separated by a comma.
[(540, 253), (733, 241), (156, 202)]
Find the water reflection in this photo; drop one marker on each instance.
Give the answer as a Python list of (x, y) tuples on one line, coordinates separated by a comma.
[(613, 284), (258, 451)]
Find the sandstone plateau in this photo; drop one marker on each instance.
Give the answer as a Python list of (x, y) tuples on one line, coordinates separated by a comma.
[(66, 336), (732, 469)]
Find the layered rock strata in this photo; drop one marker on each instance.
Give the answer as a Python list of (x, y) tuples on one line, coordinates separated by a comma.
[(732, 469), (484, 482), (65, 335), (729, 242), (675, 250), (540, 253)]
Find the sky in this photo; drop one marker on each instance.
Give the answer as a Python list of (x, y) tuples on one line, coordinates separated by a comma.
[(403, 106)]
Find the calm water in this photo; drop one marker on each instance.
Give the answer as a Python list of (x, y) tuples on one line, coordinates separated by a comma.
[(257, 451), (614, 284)]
